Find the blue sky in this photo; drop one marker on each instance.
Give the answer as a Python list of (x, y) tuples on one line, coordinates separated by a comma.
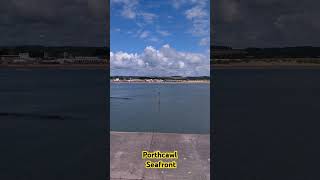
[(160, 37)]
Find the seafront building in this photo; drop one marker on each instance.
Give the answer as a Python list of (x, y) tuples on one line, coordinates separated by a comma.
[(81, 60), (24, 58), (17, 59)]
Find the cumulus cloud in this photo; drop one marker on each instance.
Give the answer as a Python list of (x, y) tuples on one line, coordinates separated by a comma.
[(165, 61)]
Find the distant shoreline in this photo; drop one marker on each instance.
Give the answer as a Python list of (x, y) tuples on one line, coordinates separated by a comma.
[(165, 82), (265, 66), (58, 66)]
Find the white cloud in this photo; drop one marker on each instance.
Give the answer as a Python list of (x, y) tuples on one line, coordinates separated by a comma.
[(128, 8), (153, 39), (178, 3), (199, 17), (128, 13), (148, 17), (196, 12), (204, 41), (144, 34), (163, 62), (163, 32)]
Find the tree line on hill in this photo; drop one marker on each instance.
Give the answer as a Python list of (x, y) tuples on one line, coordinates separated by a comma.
[(226, 52)]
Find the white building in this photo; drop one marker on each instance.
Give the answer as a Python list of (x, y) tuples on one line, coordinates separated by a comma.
[(87, 60), (21, 58)]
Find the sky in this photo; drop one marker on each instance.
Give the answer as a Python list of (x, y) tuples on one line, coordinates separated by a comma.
[(266, 23), (236, 23), (54, 22), (160, 37)]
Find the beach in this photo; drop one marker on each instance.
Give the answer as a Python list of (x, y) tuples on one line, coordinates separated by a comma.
[(165, 82)]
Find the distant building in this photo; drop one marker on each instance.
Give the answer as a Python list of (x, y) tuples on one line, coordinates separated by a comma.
[(65, 55), (24, 58), (50, 61), (87, 60), (6, 59), (17, 59), (24, 55), (45, 55)]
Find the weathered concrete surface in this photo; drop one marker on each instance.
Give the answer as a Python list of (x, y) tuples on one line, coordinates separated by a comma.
[(126, 162)]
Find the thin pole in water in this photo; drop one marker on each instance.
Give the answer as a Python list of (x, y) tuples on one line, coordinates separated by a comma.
[(158, 101)]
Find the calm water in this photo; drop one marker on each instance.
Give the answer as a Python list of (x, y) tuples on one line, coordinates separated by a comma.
[(182, 108), (267, 124), (52, 124)]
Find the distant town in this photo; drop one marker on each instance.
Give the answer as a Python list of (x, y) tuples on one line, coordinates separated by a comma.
[(304, 55), (39, 55), (156, 79)]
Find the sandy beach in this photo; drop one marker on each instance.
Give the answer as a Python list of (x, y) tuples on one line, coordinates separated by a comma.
[(164, 82)]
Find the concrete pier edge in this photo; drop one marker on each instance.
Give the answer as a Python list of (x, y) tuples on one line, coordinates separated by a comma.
[(126, 161)]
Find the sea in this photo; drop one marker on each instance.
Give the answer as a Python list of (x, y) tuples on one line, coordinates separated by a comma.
[(53, 124), (162, 107), (267, 123), (55, 121)]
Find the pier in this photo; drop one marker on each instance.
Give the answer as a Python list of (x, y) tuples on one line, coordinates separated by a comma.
[(127, 163)]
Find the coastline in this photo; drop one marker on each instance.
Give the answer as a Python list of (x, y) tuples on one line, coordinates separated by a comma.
[(169, 133), (265, 66), (213, 66), (165, 82), (55, 66)]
